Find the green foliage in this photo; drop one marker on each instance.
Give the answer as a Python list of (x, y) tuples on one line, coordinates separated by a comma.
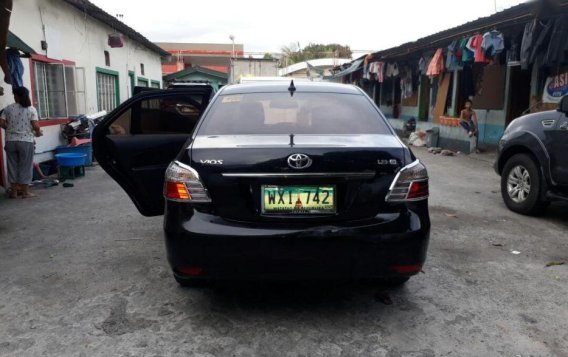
[(293, 53)]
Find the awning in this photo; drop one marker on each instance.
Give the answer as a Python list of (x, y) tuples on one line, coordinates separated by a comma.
[(15, 42), (353, 68)]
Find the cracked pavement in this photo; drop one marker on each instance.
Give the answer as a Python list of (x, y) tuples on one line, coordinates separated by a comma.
[(83, 274)]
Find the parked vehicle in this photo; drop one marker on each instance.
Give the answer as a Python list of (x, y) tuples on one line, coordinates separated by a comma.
[(271, 181), (533, 160)]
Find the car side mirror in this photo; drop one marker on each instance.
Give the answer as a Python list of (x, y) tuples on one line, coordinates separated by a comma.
[(564, 105)]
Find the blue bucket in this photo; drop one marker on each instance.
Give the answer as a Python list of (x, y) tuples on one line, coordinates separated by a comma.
[(71, 159)]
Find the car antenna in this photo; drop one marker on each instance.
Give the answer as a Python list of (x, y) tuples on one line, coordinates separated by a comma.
[(292, 88), (292, 140)]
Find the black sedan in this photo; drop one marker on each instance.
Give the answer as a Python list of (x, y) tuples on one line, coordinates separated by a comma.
[(533, 160), (271, 181)]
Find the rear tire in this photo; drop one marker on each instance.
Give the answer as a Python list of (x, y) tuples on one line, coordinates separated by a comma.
[(522, 186)]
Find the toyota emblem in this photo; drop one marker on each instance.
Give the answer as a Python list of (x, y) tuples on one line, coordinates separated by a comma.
[(299, 161)]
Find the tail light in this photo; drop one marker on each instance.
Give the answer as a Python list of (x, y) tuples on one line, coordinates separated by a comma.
[(182, 184), (410, 184)]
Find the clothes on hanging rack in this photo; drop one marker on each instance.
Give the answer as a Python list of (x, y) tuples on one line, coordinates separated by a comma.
[(530, 35), (392, 70), (406, 87), (542, 42), (16, 67), (452, 62), (557, 51), (436, 66), (366, 67), (493, 43), (474, 45), (378, 68), (513, 58), (464, 54)]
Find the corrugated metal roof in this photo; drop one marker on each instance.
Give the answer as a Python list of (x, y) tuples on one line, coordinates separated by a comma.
[(15, 42), (518, 14), (97, 13), (355, 65), (188, 71)]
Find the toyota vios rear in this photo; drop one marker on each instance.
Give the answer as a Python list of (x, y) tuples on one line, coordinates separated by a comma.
[(295, 182)]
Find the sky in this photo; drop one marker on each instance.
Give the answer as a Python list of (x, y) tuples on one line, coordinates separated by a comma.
[(266, 26)]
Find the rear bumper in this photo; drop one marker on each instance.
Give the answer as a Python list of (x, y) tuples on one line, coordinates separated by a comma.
[(388, 245)]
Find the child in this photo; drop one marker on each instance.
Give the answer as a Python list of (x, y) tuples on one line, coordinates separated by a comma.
[(468, 119)]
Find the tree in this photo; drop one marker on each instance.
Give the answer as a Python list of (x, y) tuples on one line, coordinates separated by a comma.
[(294, 53), (268, 55)]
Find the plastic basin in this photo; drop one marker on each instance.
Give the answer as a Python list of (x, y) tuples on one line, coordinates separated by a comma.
[(81, 149), (71, 159)]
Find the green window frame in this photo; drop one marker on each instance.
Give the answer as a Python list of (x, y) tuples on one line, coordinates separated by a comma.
[(108, 93), (132, 79), (143, 80), (155, 84)]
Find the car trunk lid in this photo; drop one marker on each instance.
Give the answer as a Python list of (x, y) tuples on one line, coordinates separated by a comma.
[(235, 168)]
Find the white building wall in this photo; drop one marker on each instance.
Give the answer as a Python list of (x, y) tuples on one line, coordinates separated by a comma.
[(74, 36)]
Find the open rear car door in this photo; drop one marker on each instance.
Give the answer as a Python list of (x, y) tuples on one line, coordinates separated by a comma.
[(136, 142)]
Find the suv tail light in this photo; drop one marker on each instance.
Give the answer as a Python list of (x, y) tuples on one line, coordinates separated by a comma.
[(182, 184), (410, 184)]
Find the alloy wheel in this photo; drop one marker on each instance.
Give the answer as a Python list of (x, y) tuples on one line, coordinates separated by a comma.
[(519, 184)]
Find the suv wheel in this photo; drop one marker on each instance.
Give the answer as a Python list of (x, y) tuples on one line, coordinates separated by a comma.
[(522, 184)]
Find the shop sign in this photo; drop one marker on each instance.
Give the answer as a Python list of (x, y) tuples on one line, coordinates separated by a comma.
[(555, 88)]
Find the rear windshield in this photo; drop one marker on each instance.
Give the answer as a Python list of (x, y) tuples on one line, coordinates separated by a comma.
[(304, 113)]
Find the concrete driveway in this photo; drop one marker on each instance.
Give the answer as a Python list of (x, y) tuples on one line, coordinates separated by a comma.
[(83, 274)]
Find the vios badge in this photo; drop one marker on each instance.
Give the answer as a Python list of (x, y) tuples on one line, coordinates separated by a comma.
[(299, 161)]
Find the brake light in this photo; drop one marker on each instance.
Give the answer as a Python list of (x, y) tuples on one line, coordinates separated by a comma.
[(410, 184), (407, 269), (176, 190), (182, 184)]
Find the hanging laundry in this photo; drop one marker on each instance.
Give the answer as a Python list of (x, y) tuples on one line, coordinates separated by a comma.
[(372, 69), (436, 66), (474, 45), (422, 65), (541, 43), (463, 53), (366, 65), (366, 72), (16, 67), (530, 35), (493, 43), (392, 70), (424, 62), (534, 41), (378, 68), (451, 57), (557, 51), (513, 55), (434, 88), (406, 87)]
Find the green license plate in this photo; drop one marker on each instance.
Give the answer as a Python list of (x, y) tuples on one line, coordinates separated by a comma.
[(298, 200)]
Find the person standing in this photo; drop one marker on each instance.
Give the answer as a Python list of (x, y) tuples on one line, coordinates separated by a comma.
[(20, 120)]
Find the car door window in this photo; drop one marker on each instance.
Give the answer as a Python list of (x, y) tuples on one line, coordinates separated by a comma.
[(157, 116), (121, 126)]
